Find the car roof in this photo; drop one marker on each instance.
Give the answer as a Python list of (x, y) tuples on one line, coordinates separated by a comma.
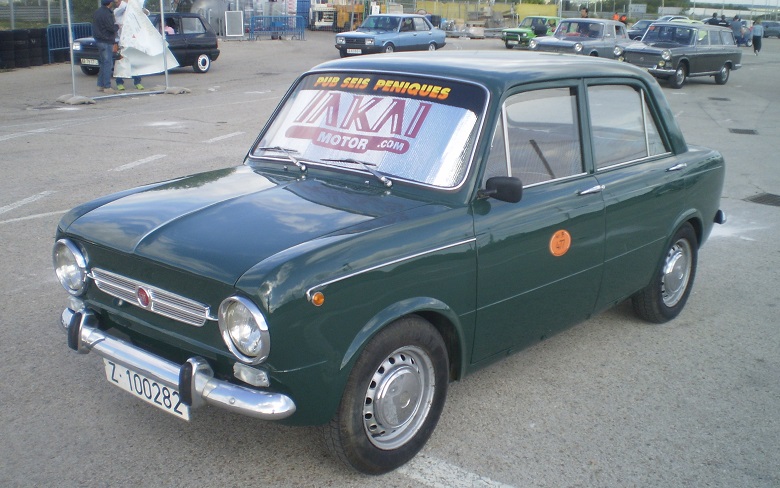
[(497, 70), (397, 15), (692, 26)]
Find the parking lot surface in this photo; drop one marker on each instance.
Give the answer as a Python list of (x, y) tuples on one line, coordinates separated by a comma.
[(611, 402)]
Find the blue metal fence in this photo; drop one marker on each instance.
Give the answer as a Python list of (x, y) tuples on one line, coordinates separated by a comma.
[(57, 36), (277, 27)]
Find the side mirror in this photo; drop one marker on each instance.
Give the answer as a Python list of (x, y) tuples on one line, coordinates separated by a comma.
[(504, 188)]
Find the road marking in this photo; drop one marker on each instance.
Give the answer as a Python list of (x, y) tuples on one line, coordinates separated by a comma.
[(30, 217), (139, 162), (226, 136), (25, 201), (437, 473)]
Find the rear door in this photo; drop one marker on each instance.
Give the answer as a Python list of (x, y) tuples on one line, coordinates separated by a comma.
[(198, 39)]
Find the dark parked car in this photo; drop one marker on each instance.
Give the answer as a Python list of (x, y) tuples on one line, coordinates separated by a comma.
[(675, 52), (529, 28), (636, 31), (193, 43), (387, 33), (591, 37), (771, 28), (400, 222)]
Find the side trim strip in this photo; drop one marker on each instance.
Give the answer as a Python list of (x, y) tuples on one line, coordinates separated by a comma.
[(311, 290)]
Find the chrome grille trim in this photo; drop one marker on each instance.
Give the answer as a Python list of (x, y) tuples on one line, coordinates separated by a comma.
[(162, 302)]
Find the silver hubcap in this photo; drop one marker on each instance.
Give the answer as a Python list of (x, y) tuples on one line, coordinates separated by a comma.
[(679, 75), (676, 273), (398, 398)]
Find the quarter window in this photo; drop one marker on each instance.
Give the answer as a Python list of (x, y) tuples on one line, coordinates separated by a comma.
[(192, 25), (622, 126)]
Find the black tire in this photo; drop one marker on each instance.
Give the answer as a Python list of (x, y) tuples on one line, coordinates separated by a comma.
[(508, 46), (664, 298), (90, 70), (393, 398), (389, 48), (202, 64), (680, 76), (723, 75)]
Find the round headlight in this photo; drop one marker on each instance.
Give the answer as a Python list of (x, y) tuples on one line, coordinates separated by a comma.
[(70, 266), (244, 330), (340, 40), (618, 51), (533, 43), (578, 47), (666, 55)]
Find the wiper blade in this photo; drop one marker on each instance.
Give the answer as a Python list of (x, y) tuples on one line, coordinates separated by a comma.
[(367, 166), (287, 152)]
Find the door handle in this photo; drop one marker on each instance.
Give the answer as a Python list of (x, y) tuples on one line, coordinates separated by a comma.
[(592, 190), (677, 167)]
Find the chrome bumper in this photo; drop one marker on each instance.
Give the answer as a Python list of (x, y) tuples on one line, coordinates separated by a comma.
[(194, 379)]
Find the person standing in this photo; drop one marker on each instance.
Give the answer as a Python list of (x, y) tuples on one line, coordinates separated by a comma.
[(119, 18), (714, 19), (758, 35), (104, 30)]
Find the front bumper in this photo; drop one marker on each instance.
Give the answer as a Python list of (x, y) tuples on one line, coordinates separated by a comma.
[(194, 379)]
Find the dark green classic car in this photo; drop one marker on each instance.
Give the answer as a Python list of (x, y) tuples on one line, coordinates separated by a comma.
[(400, 222)]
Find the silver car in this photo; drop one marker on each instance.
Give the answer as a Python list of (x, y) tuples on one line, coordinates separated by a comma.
[(591, 37)]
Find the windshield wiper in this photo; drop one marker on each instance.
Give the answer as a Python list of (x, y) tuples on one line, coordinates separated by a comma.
[(287, 152), (367, 166)]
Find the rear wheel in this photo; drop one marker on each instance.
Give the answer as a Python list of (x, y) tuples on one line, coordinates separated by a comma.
[(680, 75), (664, 298), (723, 75), (432, 46), (202, 64), (393, 398)]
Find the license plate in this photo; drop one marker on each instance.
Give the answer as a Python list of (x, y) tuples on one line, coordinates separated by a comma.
[(91, 62), (148, 390), (511, 43), (354, 51)]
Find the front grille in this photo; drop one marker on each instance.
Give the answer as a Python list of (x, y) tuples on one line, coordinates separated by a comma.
[(353, 41), (161, 302)]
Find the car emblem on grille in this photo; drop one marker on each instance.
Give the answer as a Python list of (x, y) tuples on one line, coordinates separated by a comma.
[(143, 296)]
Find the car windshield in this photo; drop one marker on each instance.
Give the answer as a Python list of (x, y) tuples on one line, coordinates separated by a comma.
[(667, 34), (569, 29), (379, 23), (415, 129), (642, 24)]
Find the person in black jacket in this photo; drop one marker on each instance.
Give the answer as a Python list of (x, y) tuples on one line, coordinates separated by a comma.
[(104, 31)]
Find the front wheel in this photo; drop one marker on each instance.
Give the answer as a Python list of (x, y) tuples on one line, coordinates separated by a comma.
[(393, 398), (388, 49), (508, 46), (89, 70), (680, 75), (723, 75), (664, 298), (202, 64)]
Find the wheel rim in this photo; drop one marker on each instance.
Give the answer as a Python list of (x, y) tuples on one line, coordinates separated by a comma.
[(389, 48), (676, 272), (398, 398), (679, 75), (431, 47), (203, 62), (724, 73)]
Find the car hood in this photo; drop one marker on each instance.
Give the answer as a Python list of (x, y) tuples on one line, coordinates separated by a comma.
[(222, 223), (653, 48), (367, 33)]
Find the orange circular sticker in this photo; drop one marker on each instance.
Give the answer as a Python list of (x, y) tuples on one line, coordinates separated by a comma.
[(560, 243)]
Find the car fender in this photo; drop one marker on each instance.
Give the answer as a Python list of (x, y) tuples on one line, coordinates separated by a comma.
[(424, 306)]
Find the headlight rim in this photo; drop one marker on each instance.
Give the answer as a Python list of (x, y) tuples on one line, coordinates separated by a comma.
[(260, 322), (666, 55), (578, 47), (80, 260)]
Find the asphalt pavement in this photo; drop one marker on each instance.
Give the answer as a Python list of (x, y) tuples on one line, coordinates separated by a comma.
[(612, 402)]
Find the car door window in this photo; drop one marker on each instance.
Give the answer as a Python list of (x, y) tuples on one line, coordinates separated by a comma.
[(542, 135), (703, 39), (715, 39), (420, 25), (192, 25), (407, 25), (728, 38), (622, 126)]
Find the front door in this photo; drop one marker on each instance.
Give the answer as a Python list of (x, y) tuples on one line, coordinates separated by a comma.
[(539, 260)]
